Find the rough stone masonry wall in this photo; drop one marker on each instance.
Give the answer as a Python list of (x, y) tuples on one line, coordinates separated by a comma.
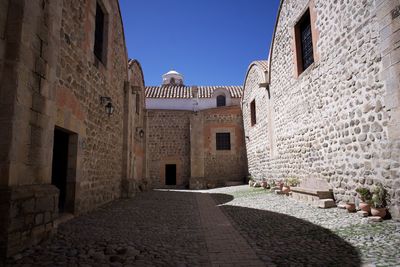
[(3, 21), (221, 166), (168, 142), (331, 122), (29, 49), (82, 80), (134, 176), (257, 138)]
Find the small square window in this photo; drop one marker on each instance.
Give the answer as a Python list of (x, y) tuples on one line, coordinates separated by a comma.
[(253, 112), (223, 141), (304, 43)]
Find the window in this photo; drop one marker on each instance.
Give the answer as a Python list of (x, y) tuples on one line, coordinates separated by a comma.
[(172, 81), (221, 101), (304, 43), (223, 141), (137, 103), (99, 34), (253, 112)]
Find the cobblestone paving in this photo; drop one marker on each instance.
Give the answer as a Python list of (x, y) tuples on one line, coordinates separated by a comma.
[(175, 229), (153, 229), (258, 216)]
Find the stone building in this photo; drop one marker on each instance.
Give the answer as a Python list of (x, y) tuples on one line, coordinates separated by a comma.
[(333, 109), (194, 134), (71, 115), (256, 119), (134, 158)]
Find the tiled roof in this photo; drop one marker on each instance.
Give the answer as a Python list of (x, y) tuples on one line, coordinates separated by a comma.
[(187, 91)]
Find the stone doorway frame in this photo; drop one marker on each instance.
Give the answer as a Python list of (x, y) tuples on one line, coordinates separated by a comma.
[(72, 166)]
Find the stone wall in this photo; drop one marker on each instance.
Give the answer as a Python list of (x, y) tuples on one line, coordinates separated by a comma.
[(168, 142), (31, 217), (134, 176), (221, 166), (82, 79), (187, 139), (51, 80), (29, 45), (333, 120), (258, 144)]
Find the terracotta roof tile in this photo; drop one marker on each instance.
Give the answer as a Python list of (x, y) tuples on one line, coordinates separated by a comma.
[(187, 91)]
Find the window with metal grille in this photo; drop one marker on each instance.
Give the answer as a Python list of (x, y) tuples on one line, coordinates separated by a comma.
[(253, 112), (304, 42), (99, 33), (221, 101), (223, 141)]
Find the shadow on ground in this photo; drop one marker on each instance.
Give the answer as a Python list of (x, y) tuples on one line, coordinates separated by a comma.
[(286, 240), (163, 228)]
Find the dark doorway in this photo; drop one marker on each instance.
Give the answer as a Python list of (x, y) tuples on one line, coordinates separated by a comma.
[(170, 174), (60, 165)]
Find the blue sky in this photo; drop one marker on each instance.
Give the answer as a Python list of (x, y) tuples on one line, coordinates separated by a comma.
[(211, 42)]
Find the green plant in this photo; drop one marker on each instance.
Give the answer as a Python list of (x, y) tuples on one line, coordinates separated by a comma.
[(365, 194), (380, 197), (293, 181)]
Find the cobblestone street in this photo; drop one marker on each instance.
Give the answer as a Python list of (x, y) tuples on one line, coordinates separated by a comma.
[(251, 227)]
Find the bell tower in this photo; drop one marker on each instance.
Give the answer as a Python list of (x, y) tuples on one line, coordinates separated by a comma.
[(172, 78)]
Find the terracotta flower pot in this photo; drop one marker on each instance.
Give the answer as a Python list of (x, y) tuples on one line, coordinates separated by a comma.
[(381, 212), (364, 206), (351, 207), (285, 189)]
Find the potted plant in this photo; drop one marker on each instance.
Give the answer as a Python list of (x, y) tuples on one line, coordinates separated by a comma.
[(279, 184), (366, 197), (293, 182), (380, 199), (350, 206), (285, 187), (264, 183)]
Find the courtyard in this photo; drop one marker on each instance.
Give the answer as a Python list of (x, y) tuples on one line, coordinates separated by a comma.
[(231, 226)]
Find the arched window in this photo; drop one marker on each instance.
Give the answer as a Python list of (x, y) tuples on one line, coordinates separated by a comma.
[(221, 101), (172, 81)]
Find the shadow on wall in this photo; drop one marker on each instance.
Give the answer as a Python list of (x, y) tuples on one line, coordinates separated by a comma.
[(287, 240)]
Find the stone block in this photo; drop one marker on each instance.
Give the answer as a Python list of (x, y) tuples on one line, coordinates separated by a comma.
[(39, 219), (375, 219), (326, 203), (362, 213), (28, 206), (44, 204)]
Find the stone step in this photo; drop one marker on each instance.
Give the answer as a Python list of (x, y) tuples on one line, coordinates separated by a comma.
[(375, 219), (326, 203), (362, 213)]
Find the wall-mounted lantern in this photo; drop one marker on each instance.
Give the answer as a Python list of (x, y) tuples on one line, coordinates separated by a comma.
[(106, 101), (140, 132)]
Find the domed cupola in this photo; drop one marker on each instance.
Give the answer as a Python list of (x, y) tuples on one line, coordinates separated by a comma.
[(172, 78)]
